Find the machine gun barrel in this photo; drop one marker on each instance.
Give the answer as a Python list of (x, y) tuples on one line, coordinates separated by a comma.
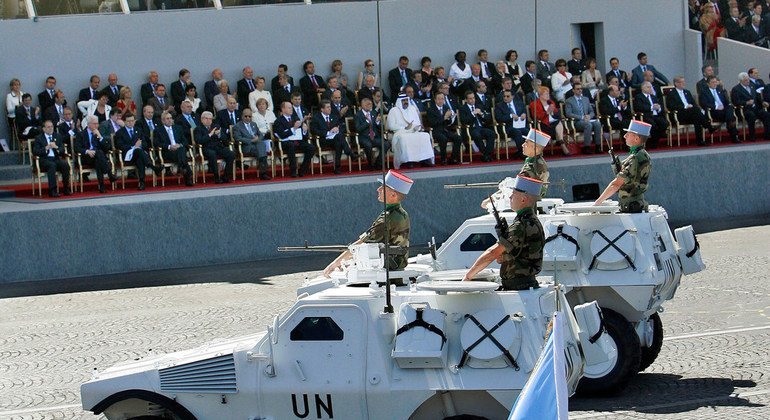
[(475, 185), (393, 249)]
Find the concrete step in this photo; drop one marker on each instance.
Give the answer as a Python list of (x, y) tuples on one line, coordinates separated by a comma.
[(21, 173), (10, 158)]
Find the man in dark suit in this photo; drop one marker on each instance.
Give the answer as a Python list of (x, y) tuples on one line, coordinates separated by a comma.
[(252, 142), (368, 88), (715, 101), (652, 111), (147, 90), (701, 87), (284, 92), (483, 100), (147, 123), (486, 68), (528, 79), (187, 120), (160, 101), (68, 127), (637, 73), (49, 148), (169, 138), (409, 91), (27, 117), (681, 101), (55, 112), (210, 88), (245, 87), (311, 85), (112, 124), (92, 147), (129, 138), (736, 25), (46, 98), (298, 109), (576, 64), (92, 91), (228, 117), (451, 101), (622, 76), (292, 132), (399, 76), (112, 89), (330, 130), (511, 110), (544, 68), (274, 84), (369, 129), (179, 88), (756, 82), (612, 106), (340, 107), (744, 95), (214, 142), (441, 120), (477, 120)]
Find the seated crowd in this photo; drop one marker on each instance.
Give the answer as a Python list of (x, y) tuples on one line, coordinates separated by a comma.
[(740, 20), (481, 107)]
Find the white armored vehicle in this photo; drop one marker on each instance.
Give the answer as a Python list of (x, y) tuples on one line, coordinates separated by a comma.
[(446, 348), (629, 263)]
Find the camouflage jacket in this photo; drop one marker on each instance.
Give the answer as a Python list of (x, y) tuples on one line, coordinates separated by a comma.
[(397, 219), (536, 168), (634, 171), (523, 256)]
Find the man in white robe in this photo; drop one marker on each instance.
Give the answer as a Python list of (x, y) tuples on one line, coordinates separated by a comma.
[(410, 143)]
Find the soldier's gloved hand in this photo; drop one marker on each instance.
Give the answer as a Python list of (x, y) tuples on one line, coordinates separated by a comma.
[(500, 233)]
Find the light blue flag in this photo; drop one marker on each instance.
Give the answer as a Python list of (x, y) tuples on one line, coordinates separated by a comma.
[(544, 396)]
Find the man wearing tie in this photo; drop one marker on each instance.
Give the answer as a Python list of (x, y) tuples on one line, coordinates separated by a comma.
[(209, 136), (48, 147), (187, 120), (244, 87), (618, 111), (652, 113), (399, 76), (443, 120), (579, 109), (252, 141), (476, 119), (544, 68), (744, 95), (529, 77), (289, 125), (369, 128), (92, 91), (714, 100), (127, 139), (92, 147), (311, 85), (169, 138), (47, 97), (160, 102), (622, 76), (179, 88), (331, 132), (112, 90), (508, 112), (27, 117), (148, 89), (637, 74), (228, 117), (147, 122), (68, 127), (55, 112), (682, 103), (284, 92)]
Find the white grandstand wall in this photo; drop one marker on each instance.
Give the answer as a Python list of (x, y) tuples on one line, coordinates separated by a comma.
[(736, 57), (74, 47)]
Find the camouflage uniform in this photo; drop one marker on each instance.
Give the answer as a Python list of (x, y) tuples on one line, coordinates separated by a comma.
[(634, 171), (398, 220), (523, 256), (536, 168)]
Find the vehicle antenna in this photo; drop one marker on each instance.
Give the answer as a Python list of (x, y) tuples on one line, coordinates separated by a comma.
[(388, 305)]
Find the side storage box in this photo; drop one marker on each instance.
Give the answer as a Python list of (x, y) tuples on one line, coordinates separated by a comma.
[(420, 339), (689, 250)]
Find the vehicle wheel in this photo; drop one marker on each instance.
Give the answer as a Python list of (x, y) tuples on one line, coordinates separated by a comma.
[(649, 354), (612, 377)]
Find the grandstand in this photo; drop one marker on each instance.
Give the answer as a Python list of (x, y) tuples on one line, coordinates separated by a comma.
[(71, 40)]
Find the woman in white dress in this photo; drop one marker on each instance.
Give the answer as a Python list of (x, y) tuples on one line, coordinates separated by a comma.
[(561, 80), (264, 120), (13, 99)]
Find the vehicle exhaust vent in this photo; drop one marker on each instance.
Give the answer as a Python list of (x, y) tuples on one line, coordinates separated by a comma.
[(216, 376)]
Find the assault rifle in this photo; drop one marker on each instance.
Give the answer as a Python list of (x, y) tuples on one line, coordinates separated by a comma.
[(502, 224), (613, 157)]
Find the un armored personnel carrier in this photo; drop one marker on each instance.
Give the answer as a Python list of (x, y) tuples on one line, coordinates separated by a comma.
[(447, 348), (629, 263)]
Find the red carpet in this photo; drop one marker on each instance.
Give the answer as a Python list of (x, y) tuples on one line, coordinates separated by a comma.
[(90, 190)]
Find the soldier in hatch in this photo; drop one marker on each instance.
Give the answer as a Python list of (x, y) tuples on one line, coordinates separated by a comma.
[(631, 182), (394, 218), (520, 249)]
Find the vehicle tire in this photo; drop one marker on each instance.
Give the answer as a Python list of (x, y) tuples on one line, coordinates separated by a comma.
[(624, 364), (649, 354)]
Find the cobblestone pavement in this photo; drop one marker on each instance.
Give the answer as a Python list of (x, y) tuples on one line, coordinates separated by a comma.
[(714, 361)]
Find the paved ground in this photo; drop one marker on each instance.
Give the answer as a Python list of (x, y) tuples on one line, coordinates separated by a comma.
[(714, 362)]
